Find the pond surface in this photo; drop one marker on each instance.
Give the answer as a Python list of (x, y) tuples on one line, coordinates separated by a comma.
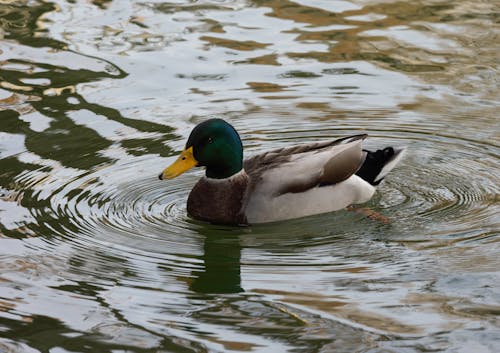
[(97, 97)]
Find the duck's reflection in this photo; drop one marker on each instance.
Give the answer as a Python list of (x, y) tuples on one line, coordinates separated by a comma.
[(222, 255)]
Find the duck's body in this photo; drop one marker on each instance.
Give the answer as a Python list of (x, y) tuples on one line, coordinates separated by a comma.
[(280, 184)]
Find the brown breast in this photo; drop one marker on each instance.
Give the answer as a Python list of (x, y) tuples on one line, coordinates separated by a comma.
[(219, 201)]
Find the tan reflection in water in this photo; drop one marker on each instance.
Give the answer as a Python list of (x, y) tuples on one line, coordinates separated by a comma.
[(18, 103), (265, 87), (59, 91), (234, 345), (314, 106), (245, 45), (403, 32), (11, 86), (6, 306), (269, 59), (454, 307), (336, 306)]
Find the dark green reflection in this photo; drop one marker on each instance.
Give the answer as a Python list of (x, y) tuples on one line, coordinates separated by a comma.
[(221, 257), (45, 333), (20, 22), (41, 110), (66, 141)]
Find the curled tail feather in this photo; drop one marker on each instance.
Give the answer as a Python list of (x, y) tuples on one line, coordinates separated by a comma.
[(379, 163)]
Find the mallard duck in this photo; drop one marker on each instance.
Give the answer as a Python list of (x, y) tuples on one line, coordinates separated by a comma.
[(280, 184)]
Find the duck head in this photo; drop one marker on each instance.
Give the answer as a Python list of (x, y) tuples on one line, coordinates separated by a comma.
[(213, 144)]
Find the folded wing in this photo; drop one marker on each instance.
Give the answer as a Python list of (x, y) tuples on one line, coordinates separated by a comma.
[(300, 168)]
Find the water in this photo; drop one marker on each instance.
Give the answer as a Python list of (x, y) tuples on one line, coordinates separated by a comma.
[(96, 255)]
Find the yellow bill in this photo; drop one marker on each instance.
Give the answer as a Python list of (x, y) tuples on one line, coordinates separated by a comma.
[(185, 162)]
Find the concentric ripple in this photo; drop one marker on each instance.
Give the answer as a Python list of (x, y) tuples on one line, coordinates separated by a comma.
[(116, 211), (442, 183)]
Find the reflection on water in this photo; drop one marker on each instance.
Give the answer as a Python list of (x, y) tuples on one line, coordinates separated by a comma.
[(96, 255), (221, 260)]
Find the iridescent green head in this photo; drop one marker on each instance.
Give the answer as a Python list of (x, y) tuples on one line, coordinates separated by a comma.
[(213, 144)]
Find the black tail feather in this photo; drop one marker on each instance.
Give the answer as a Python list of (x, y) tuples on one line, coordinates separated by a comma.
[(377, 164)]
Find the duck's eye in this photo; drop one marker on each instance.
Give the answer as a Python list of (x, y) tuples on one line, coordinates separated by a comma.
[(210, 140)]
